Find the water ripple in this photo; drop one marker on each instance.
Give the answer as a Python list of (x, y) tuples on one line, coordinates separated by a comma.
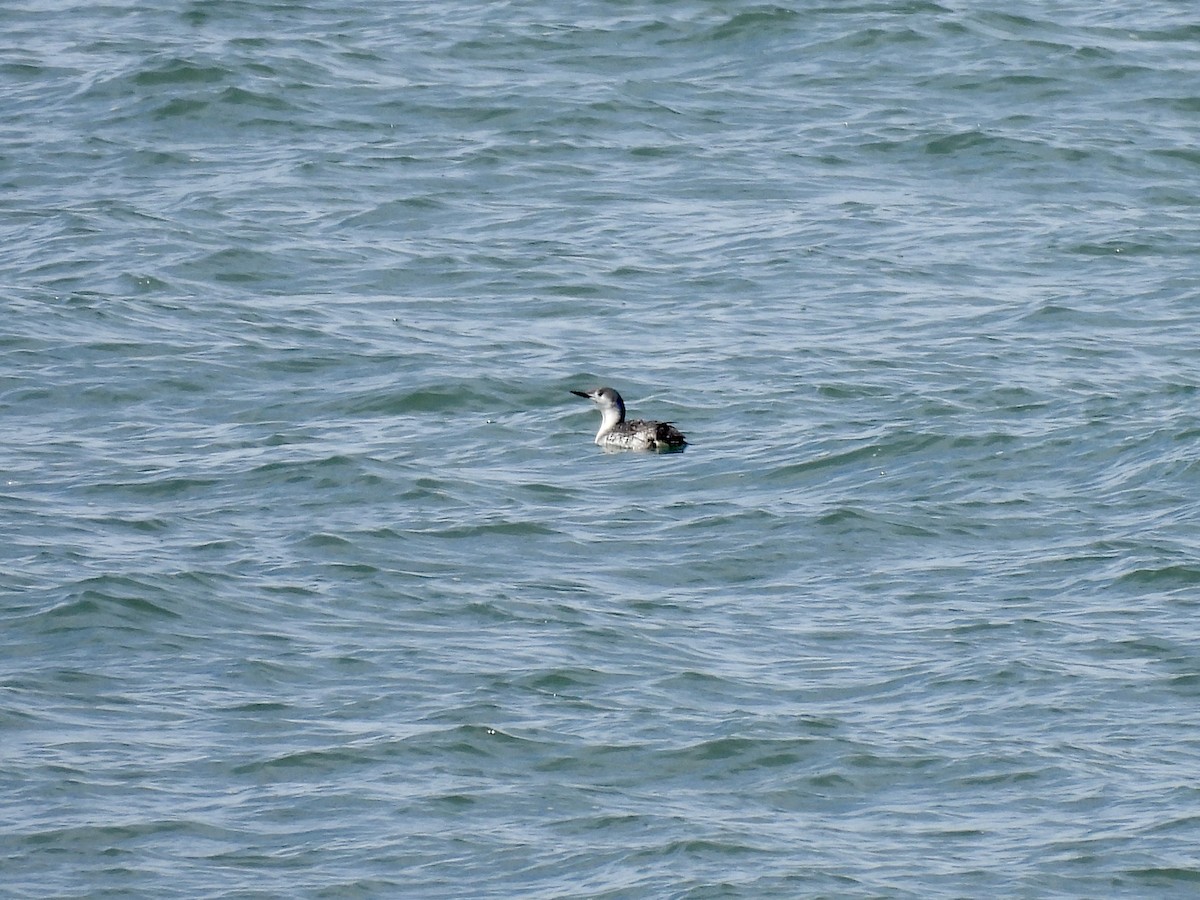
[(315, 583)]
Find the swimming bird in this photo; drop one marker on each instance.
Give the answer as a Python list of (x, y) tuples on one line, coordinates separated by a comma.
[(617, 434)]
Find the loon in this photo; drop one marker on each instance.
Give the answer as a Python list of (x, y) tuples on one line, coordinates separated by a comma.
[(617, 434)]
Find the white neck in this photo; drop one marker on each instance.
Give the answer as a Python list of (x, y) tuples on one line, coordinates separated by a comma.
[(612, 418)]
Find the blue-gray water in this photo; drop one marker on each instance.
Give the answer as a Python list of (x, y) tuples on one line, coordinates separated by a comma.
[(315, 585)]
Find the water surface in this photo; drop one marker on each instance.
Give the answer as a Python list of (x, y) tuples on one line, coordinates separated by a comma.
[(315, 584)]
